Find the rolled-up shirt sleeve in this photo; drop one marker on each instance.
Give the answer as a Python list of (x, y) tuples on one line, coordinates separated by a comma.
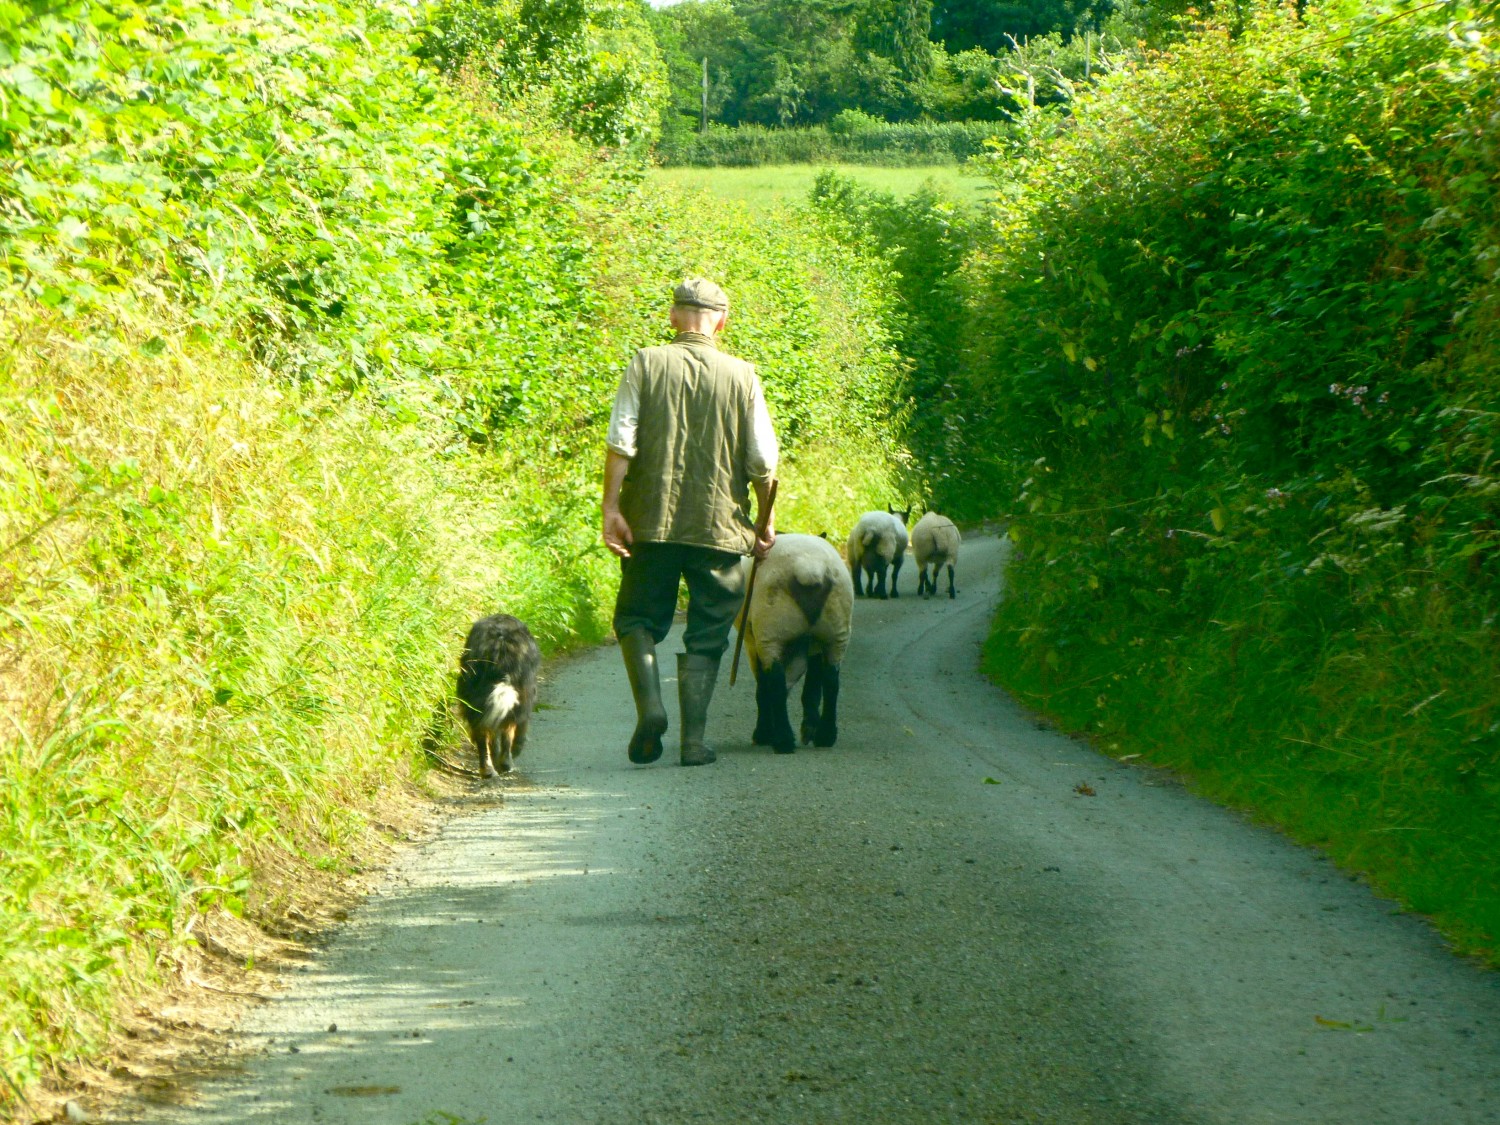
[(626, 416), (763, 451)]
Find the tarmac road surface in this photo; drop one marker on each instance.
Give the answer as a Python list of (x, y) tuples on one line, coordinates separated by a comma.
[(930, 922)]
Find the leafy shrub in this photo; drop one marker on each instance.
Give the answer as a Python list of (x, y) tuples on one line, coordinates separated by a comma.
[(923, 239), (593, 63), (849, 122), (1041, 70), (1235, 361)]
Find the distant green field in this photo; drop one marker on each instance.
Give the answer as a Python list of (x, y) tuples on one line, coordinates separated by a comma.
[(767, 186)]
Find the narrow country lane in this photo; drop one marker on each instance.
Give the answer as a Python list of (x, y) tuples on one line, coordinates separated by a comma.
[(926, 923)]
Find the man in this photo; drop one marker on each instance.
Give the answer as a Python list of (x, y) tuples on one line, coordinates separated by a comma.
[(689, 435)]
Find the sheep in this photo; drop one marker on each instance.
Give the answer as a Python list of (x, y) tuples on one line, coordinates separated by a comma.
[(934, 540), (878, 541), (798, 621)]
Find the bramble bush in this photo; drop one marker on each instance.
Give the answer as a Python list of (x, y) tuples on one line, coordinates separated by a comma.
[(1234, 362), (306, 354)]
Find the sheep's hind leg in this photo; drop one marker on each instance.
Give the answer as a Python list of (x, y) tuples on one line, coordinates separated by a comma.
[(828, 723), (952, 592), (879, 588), (763, 732), (812, 696), (761, 737), (770, 707)]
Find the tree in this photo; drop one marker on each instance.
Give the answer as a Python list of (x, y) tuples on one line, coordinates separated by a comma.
[(802, 62), (899, 30), (895, 61), (798, 64), (687, 34), (963, 24)]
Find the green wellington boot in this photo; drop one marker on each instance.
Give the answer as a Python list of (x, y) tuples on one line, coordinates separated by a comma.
[(639, 651), (695, 687)]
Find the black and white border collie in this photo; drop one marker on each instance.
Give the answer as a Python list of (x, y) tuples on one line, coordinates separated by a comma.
[(497, 689)]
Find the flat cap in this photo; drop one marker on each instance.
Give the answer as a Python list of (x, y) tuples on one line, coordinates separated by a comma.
[(701, 294)]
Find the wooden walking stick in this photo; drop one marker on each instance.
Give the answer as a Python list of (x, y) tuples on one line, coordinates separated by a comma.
[(760, 533)]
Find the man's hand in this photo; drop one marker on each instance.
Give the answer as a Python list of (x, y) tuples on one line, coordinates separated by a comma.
[(617, 534), (763, 545), (765, 527)]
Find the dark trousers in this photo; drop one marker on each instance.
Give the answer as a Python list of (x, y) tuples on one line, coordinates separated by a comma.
[(648, 594)]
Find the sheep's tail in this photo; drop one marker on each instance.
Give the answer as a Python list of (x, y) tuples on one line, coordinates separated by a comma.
[(810, 586), (809, 570), (502, 704)]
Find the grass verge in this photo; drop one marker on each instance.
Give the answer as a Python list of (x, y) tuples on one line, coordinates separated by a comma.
[(1369, 741)]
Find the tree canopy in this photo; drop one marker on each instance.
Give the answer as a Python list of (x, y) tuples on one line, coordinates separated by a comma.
[(964, 24), (803, 62)]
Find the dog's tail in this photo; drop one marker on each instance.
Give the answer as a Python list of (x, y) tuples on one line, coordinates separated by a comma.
[(502, 704)]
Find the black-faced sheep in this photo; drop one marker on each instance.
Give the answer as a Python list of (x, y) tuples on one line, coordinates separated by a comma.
[(798, 623), (497, 689), (934, 541), (877, 542)]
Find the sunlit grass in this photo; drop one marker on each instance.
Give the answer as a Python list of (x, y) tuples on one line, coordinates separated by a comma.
[(212, 645)]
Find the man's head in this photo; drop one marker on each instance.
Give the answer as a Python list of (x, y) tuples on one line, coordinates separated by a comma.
[(698, 305)]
